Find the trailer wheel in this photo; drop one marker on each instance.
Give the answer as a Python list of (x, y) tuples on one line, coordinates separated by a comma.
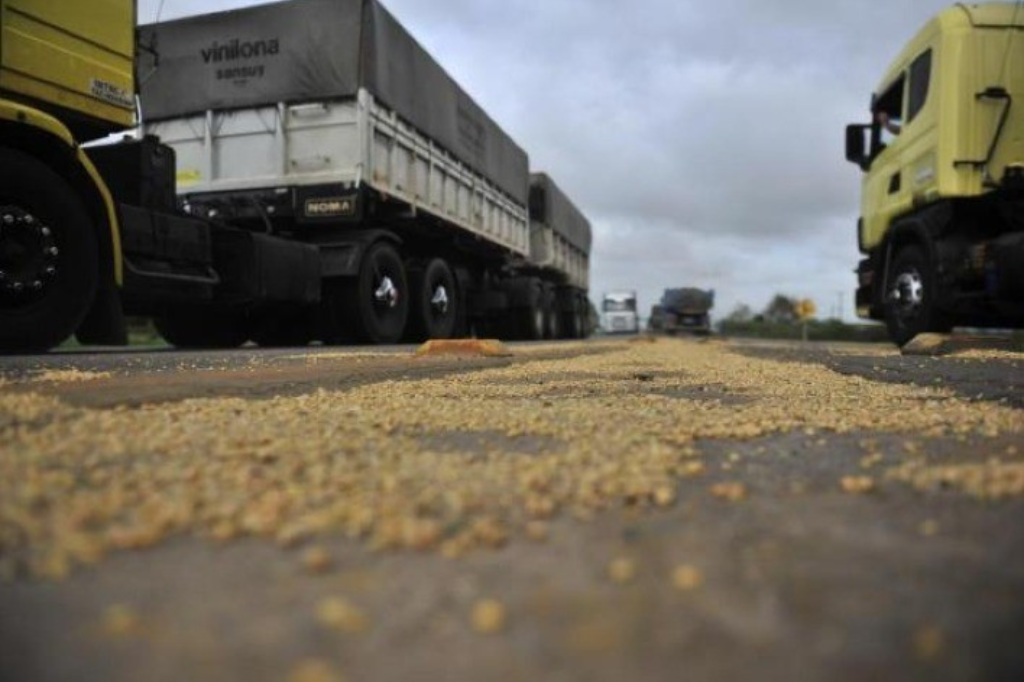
[(435, 301), (375, 303), (197, 329), (530, 318), (573, 322), (582, 318), (552, 321), (577, 329), (48, 256), (910, 298)]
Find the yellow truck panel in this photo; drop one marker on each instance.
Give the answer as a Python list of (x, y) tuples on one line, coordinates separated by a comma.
[(71, 54)]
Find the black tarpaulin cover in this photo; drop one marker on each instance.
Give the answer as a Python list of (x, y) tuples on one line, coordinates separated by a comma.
[(310, 50), (549, 205)]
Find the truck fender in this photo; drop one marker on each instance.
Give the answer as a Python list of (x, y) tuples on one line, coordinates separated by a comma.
[(40, 134), (923, 229), (341, 258)]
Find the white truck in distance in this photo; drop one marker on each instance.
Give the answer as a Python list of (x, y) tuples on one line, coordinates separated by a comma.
[(619, 313)]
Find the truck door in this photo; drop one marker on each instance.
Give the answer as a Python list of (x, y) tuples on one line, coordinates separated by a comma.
[(904, 170), (884, 185)]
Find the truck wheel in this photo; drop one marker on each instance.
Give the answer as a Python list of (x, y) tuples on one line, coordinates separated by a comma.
[(530, 319), (570, 322), (578, 326), (196, 329), (434, 301), (910, 299), (48, 256), (583, 317), (552, 323), (375, 303)]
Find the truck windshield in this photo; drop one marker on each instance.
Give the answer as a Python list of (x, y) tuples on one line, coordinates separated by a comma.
[(628, 306)]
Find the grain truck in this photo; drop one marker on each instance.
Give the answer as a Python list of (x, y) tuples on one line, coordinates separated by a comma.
[(686, 310), (319, 176), (942, 203)]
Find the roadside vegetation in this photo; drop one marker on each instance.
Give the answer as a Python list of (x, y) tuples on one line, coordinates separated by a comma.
[(781, 319)]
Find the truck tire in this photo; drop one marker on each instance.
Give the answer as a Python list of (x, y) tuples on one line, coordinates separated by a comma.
[(435, 301), (374, 305), (567, 317), (529, 318), (201, 329), (583, 317), (48, 256), (573, 320), (910, 298), (578, 329), (552, 321)]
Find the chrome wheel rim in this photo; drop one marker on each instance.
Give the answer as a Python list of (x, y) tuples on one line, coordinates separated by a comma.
[(907, 294)]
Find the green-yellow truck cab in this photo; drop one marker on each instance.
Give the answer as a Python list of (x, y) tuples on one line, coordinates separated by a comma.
[(942, 208), (66, 76)]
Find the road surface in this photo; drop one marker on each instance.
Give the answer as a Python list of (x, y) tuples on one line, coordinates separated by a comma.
[(588, 511)]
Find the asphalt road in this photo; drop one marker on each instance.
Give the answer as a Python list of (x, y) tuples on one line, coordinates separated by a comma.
[(601, 511)]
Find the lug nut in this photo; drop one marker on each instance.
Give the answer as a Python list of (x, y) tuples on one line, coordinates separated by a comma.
[(17, 286), (50, 271), (45, 232), (29, 219), (37, 285), (53, 251), (8, 219)]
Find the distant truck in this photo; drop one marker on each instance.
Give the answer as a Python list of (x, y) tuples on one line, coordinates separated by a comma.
[(319, 176), (619, 313), (686, 310), (942, 203)]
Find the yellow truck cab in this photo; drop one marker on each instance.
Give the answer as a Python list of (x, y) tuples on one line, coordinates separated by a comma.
[(942, 207)]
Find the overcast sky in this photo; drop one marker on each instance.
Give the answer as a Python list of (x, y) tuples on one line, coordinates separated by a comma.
[(704, 140)]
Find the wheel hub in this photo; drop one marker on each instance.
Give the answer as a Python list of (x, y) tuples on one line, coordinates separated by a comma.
[(29, 256), (386, 293), (908, 292), (439, 302)]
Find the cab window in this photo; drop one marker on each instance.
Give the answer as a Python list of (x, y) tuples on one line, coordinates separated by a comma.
[(920, 77), (889, 114)]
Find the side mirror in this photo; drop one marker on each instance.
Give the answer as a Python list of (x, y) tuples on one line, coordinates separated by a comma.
[(858, 143)]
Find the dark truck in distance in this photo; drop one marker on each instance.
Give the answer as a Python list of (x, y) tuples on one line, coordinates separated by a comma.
[(683, 310)]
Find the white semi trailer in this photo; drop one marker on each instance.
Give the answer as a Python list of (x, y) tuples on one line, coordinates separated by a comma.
[(406, 212)]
